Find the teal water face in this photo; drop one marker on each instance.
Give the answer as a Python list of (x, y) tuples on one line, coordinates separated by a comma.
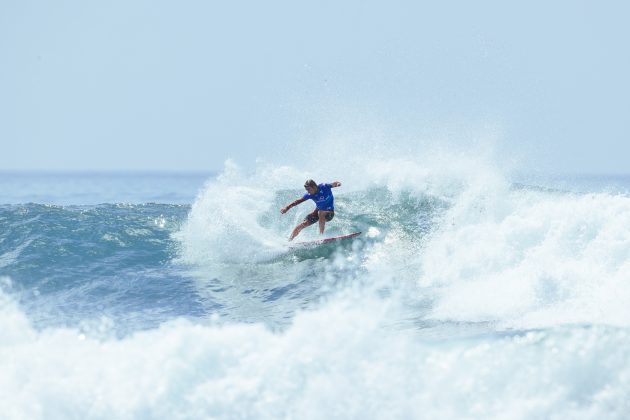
[(75, 263)]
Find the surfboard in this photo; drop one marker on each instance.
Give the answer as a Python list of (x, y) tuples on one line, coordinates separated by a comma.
[(327, 240)]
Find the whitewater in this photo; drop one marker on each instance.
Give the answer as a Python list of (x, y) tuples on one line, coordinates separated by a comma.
[(470, 294)]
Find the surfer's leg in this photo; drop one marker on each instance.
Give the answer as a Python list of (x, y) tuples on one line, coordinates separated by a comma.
[(297, 230), (309, 220), (324, 216)]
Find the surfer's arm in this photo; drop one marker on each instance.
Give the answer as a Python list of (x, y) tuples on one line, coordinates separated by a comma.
[(295, 203), (335, 184)]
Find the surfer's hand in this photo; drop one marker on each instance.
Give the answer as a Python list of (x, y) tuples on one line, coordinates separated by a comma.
[(283, 210)]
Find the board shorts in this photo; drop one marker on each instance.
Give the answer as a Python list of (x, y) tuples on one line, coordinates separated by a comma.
[(314, 216)]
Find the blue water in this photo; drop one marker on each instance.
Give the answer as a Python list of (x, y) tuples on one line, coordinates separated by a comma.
[(470, 294)]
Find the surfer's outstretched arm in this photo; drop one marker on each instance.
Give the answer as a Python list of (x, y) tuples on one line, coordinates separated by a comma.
[(295, 203), (335, 184)]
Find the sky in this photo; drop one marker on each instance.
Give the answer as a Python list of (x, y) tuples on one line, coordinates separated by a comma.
[(89, 85)]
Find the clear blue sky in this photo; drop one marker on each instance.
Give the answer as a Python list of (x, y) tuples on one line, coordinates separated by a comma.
[(181, 86)]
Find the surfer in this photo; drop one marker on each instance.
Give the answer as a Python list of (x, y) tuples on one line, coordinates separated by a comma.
[(324, 205)]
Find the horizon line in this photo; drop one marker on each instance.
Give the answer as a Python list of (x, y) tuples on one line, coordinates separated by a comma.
[(106, 172)]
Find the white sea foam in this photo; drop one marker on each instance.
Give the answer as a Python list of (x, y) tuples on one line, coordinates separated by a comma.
[(224, 223), (335, 362), (532, 259)]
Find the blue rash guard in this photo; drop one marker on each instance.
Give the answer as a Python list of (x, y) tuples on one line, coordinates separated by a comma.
[(323, 198)]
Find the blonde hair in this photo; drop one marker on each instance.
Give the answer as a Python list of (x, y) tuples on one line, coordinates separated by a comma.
[(310, 183)]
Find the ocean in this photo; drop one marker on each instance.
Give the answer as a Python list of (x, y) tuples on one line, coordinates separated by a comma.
[(472, 293)]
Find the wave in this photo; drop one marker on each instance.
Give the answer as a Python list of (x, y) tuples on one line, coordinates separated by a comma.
[(480, 248), (472, 296)]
